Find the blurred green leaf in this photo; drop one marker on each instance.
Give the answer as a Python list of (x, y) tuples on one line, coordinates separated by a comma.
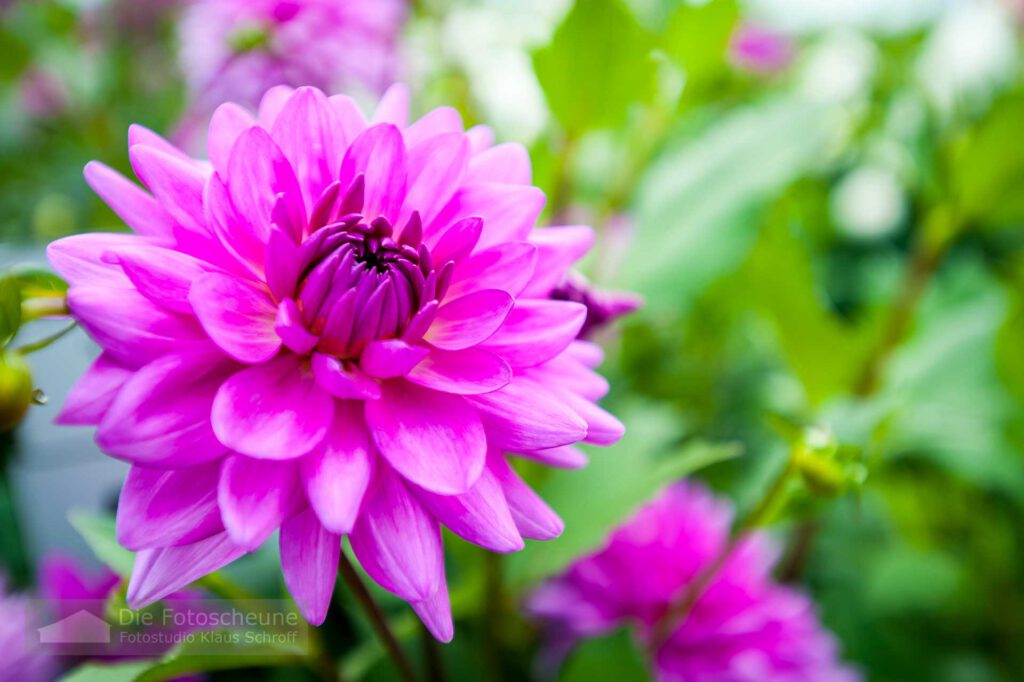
[(99, 532), (36, 282), (16, 55), (107, 672), (616, 481), (697, 39), (597, 65), (191, 657), (10, 308), (612, 657)]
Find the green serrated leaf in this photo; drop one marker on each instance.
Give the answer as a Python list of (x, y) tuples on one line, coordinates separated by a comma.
[(598, 64), (99, 532), (10, 308)]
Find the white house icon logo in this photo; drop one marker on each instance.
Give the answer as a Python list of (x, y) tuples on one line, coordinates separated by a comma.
[(80, 627)]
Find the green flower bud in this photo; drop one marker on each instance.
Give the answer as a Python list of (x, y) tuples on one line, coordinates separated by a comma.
[(15, 390)]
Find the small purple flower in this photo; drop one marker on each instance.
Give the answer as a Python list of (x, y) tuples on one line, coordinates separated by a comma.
[(760, 50), (235, 50), (18, 662), (603, 307), (334, 327), (743, 628)]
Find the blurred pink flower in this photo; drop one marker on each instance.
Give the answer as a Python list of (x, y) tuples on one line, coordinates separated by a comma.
[(603, 307), (743, 628), (42, 93), (19, 663), (333, 327), (235, 50), (760, 50)]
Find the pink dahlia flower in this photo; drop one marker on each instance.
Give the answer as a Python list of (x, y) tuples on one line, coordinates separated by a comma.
[(335, 326), (743, 628), (234, 50), (18, 620)]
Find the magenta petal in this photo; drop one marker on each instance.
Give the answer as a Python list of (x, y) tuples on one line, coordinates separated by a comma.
[(256, 496), (160, 274), (507, 267), (131, 203), (533, 517), (393, 106), (259, 173), (176, 183), (508, 211), (79, 258), (379, 155), (537, 331), (480, 515), (228, 122), (243, 241), (94, 392), (457, 241), (274, 410), (396, 541), (272, 103), (238, 315), (480, 137), (308, 132), (309, 561), (508, 163), (464, 372), (524, 415), (469, 320), (349, 116), (390, 358), (435, 122), (283, 263), (433, 439), (291, 328), (337, 473), (160, 571), (161, 416), (161, 507), (563, 457), (436, 613), (602, 428), (557, 249), (569, 374), (141, 135), (435, 171), (343, 379)]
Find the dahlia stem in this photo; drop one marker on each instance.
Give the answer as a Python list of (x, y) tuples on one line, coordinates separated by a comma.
[(492, 614), (765, 508), (42, 343), (376, 617), (432, 656)]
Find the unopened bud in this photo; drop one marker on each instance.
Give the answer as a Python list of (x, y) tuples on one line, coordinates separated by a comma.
[(15, 390)]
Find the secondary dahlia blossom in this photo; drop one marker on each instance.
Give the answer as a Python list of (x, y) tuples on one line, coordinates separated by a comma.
[(760, 50), (743, 627), (19, 619), (336, 326), (234, 50)]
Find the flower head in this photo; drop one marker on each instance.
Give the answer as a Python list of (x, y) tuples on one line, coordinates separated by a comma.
[(742, 628), (603, 307), (234, 50), (760, 50), (333, 327), (19, 663)]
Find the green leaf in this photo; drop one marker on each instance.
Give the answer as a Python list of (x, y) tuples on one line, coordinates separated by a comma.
[(597, 65), (100, 534), (112, 672), (595, 499), (10, 308), (697, 39), (195, 657), (612, 657), (36, 282)]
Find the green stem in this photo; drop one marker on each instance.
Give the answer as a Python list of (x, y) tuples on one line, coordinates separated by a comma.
[(492, 613), (432, 656), (377, 620), (761, 513), (46, 306), (29, 348)]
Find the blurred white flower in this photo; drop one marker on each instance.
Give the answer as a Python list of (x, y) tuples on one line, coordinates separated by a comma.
[(839, 69), (868, 203)]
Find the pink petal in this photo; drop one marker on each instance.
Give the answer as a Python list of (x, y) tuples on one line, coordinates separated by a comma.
[(274, 410), (343, 379), (433, 439), (79, 258), (469, 320), (160, 274), (337, 473), (507, 163), (161, 507), (533, 517), (141, 135), (256, 496), (161, 416), (557, 249), (435, 172), (390, 358), (160, 571), (244, 241), (94, 392), (526, 416), (571, 375), (137, 208), (238, 316), (563, 457), (393, 107), (228, 122), (132, 329), (308, 132), (587, 353), (480, 515), (436, 612), (508, 211), (435, 122), (309, 561), (506, 266), (291, 328), (464, 372), (349, 116), (176, 183), (258, 173), (379, 155), (602, 428), (537, 331), (283, 263), (272, 104), (457, 241), (397, 542)]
